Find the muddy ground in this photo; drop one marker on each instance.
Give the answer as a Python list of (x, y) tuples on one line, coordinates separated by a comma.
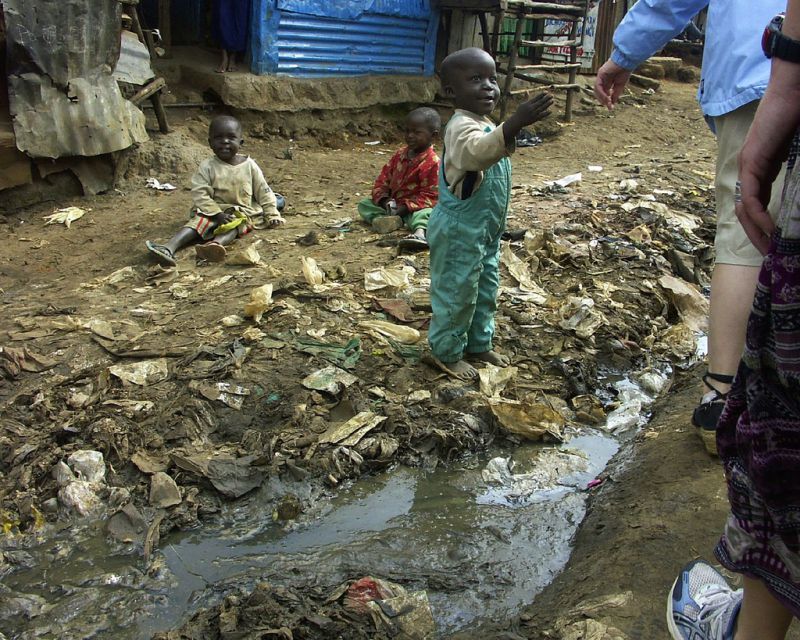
[(102, 351)]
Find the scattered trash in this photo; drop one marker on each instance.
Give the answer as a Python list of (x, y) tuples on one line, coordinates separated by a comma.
[(691, 305), (260, 300), (372, 143), (247, 256), (342, 355), (153, 183), (88, 465), (494, 379), (143, 373), (397, 332), (66, 216), (330, 379), (350, 433), (397, 278), (566, 180), (581, 316), (311, 272), (232, 395), (527, 139), (630, 412), (529, 421), (594, 168)]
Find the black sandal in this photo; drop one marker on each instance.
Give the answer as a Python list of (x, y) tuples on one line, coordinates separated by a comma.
[(706, 415)]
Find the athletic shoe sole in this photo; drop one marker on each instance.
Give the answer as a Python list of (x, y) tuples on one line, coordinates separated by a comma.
[(673, 628)]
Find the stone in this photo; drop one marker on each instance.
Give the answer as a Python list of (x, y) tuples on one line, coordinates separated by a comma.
[(387, 224), (651, 70), (646, 83), (164, 491), (669, 64), (79, 496), (88, 465), (688, 74)]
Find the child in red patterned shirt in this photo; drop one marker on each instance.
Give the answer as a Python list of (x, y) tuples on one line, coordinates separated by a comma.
[(408, 185)]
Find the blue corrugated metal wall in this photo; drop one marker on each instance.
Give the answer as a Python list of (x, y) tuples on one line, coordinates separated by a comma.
[(314, 38)]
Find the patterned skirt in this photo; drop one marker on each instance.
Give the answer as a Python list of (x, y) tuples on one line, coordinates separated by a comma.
[(758, 437)]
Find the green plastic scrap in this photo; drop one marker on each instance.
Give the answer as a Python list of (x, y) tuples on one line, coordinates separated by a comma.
[(343, 355), (407, 351)]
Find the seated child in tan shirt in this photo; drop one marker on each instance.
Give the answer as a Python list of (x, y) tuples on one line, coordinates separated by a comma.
[(229, 198)]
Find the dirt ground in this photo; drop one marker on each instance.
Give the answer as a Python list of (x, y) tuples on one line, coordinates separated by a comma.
[(600, 282)]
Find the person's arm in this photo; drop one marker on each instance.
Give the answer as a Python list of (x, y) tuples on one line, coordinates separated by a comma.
[(380, 190), (265, 197), (767, 143), (644, 31), (426, 193), (203, 192)]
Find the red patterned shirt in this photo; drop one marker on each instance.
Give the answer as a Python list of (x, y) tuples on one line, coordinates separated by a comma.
[(413, 182)]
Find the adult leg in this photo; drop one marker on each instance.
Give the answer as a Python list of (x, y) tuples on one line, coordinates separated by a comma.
[(735, 274), (762, 616)]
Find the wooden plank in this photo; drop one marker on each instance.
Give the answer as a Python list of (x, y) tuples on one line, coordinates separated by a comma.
[(552, 66), (148, 90), (550, 43)]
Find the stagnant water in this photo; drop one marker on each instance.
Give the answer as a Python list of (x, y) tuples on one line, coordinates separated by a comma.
[(481, 540)]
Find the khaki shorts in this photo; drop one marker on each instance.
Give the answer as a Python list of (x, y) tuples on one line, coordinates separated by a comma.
[(731, 243)]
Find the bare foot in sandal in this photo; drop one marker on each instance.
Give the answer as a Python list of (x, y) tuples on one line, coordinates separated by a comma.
[(491, 357), (461, 369)]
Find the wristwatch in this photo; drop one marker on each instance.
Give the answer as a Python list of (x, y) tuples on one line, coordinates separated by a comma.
[(776, 45)]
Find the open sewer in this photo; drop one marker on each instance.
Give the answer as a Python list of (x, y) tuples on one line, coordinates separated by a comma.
[(482, 536)]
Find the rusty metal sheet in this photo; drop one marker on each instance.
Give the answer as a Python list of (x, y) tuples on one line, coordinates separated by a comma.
[(133, 65), (63, 98)]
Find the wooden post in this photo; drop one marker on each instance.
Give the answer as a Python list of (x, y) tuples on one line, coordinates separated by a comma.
[(573, 71), (512, 64), (165, 26), (487, 43), (498, 27)]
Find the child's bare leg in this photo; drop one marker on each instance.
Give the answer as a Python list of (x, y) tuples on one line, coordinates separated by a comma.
[(761, 617), (223, 65), (492, 357)]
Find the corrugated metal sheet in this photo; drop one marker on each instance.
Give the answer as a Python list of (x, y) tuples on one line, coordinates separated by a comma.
[(351, 38), (63, 99)]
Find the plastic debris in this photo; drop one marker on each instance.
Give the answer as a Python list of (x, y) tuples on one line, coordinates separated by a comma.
[(343, 355), (529, 421), (397, 332), (692, 307), (66, 216), (594, 168), (154, 183), (330, 379), (581, 316), (230, 394), (397, 278), (260, 300), (350, 433), (494, 379), (247, 256), (311, 272), (142, 373), (566, 180)]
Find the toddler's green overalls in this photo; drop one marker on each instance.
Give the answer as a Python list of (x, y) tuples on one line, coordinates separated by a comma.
[(464, 239)]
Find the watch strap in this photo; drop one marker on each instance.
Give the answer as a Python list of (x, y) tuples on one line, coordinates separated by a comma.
[(785, 48)]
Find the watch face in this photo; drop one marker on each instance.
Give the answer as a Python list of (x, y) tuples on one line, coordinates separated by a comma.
[(768, 38)]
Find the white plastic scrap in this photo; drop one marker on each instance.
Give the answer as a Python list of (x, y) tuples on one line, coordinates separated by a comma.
[(66, 216), (153, 183)]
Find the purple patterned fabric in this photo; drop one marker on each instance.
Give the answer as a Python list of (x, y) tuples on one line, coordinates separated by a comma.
[(758, 436)]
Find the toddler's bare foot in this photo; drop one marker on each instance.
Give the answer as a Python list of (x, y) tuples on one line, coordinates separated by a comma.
[(462, 370), (492, 357)]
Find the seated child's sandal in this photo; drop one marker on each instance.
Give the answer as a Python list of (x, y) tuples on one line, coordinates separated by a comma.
[(161, 253), (412, 243), (211, 252)]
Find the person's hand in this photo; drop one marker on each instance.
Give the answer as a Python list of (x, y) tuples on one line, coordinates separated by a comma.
[(533, 110), (225, 217), (753, 190), (610, 83)]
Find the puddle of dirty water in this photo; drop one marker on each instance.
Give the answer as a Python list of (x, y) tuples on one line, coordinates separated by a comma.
[(482, 536)]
